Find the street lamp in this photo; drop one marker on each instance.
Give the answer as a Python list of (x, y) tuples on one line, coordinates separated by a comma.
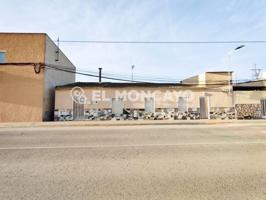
[(240, 47), (231, 52), (229, 73)]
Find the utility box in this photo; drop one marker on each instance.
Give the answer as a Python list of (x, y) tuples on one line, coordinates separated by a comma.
[(149, 105), (263, 108), (117, 107), (204, 107), (182, 104)]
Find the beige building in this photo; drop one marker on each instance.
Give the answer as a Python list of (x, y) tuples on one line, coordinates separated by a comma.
[(249, 98), (29, 72), (133, 96), (250, 92)]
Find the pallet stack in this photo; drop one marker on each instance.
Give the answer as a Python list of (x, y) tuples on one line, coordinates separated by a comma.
[(248, 111)]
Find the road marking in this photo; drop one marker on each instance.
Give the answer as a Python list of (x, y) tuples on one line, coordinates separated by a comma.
[(129, 146)]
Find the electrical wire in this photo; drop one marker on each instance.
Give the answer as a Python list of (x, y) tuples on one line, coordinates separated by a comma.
[(137, 77), (164, 42), (92, 75), (69, 70), (120, 77)]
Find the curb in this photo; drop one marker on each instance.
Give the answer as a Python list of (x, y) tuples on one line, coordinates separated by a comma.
[(125, 123)]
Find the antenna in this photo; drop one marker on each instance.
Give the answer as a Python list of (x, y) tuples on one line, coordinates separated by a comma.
[(256, 73), (57, 52)]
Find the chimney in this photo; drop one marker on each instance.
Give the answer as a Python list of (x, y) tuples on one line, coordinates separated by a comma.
[(100, 75)]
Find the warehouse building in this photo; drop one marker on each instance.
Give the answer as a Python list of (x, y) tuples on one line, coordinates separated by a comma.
[(28, 78), (210, 91)]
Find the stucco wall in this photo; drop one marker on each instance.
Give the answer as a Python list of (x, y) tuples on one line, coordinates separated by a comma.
[(23, 47), (249, 97), (191, 80), (218, 77), (64, 101), (53, 77), (20, 94), (210, 78), (24, 95), (21, 90)]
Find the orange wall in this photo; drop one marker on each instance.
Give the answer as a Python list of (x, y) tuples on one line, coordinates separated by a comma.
[(24, 95), (21, 90), (23, 47), (21, 94)]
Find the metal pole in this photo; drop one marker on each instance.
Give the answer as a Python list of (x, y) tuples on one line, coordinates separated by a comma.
[(132, 68), (57, 50), (100, 75)]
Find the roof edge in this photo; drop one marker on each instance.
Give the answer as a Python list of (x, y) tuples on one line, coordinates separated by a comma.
[(24, 33)]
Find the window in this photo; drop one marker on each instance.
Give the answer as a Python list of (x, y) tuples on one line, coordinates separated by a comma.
[(2, 56)]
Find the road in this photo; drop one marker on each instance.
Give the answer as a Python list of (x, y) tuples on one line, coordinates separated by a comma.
[(134, 162)]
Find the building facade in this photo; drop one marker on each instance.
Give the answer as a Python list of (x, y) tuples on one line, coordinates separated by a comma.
[(30, 66), (249, 99), (214, 87)]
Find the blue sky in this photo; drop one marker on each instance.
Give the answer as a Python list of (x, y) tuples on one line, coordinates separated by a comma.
[(147, 20)]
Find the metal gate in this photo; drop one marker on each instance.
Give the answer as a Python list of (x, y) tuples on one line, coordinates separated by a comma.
[(78, 111)]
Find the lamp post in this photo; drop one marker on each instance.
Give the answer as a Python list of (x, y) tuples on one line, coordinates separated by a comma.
[(132, 69), (229, 63), (231, 52), (229, 75)]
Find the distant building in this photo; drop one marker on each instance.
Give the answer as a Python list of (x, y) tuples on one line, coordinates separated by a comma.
[(26, 82), (249, 99)]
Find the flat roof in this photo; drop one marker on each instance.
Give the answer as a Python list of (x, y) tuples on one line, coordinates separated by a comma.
[(112, 84), (219, 71), (252, 81), (23, 33), (248, 88)]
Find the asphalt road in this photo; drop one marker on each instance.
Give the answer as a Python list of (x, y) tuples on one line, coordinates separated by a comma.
[(134, 162)]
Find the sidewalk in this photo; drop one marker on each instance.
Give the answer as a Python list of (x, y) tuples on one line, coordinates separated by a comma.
[(127, 123)]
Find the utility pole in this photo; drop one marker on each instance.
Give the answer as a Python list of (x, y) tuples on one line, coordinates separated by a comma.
[(256, 72)]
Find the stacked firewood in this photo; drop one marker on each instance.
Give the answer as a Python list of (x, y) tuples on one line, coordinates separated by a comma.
[(248, 111)]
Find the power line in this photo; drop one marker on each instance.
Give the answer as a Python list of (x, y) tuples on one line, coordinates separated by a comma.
[(147, 78), (110, 77), (91, 75), (164, 42), (69, 70), (117, 76)]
